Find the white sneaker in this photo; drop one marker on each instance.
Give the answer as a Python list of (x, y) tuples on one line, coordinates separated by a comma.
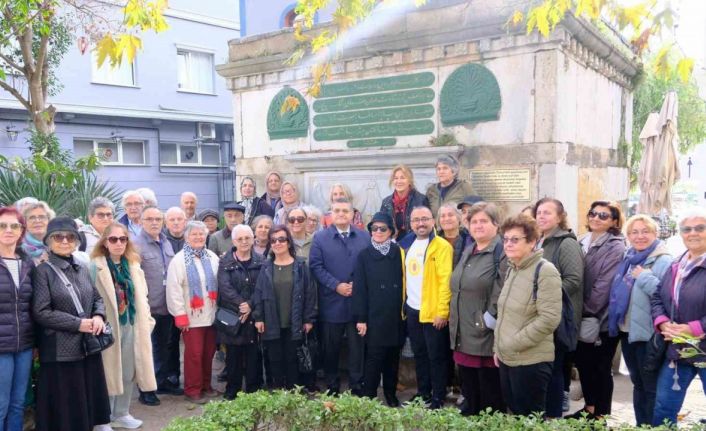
[(126, 421), (104, 427)]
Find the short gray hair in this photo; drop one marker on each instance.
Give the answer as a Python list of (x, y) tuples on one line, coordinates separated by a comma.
[(174, 209), (312, 210), (487, 208), (452, 207), (191, 194), (256, 221), (242, 227), (100, 202), (29, 200), (449, 161), (39, 204), (693, 212), (130, 193), (148, 195), (195, 224)]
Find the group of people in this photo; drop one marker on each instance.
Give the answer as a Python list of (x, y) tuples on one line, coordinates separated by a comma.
[(505, 306)]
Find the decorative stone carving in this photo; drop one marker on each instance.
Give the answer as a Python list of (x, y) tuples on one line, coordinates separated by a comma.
[(291, 123), (470, 94)]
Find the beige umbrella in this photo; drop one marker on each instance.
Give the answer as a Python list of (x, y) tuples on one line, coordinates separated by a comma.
[(659, 169)]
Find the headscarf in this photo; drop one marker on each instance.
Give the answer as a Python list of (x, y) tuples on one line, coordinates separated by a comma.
[(124, 290), (382, 247), (33, 247), (622, 286), (192, 275), (248, 202)]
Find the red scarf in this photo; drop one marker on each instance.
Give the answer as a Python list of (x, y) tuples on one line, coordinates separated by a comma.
[(399, 204)]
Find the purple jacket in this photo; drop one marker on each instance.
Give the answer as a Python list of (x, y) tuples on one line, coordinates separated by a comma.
[(601, 262), (691, 308)]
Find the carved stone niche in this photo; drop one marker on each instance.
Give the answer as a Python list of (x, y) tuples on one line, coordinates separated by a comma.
[(470, 95), (287, 123)]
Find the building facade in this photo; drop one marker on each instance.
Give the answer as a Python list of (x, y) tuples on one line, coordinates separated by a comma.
[(164, 121), (259, 17)]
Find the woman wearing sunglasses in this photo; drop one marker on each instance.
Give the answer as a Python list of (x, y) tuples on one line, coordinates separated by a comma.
[(529, 310), (16, 329), (71, 389), (378, 298), (284, 306), (604, 246), (679, 308), (296, 223), (115, 265)]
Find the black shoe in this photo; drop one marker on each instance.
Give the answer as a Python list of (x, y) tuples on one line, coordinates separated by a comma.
[(168, 388), (580, 414), (149, 399), (357, 391), (391, 400), (426, 399), (334, 392)]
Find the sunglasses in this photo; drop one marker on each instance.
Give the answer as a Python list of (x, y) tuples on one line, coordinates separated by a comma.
[(61, 237), (699, 228), (382, 229), (601, 215), (279, 239), (115, 239), (513, 240), (299, 219), (12, 226)]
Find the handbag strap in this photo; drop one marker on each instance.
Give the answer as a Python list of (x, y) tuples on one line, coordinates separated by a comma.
[(69, 287)]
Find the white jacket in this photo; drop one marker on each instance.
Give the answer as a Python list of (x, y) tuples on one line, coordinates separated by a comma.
[(178, 293)]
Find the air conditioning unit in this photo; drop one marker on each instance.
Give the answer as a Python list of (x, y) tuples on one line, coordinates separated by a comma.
[(206, 131)]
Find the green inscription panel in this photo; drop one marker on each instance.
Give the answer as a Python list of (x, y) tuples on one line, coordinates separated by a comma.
[(374, 116), (377, 130), (291, 123), (470, 95), (365, 143), (380, 100), (402, 82)]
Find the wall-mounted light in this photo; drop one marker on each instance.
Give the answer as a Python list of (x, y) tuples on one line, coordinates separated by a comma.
[(12, 132), (116, 136)]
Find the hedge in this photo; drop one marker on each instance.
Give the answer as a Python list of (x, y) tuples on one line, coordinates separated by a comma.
[(293, 411)]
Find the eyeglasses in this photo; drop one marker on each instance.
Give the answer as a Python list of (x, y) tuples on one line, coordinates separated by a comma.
[(601, 215), (279, 239), (382, 229), (12, 226), (134, 205), (37, 218), (513, 240), (115, 239), (153, 219), (299, 219), (61, 237), (422, 220), (699, 228), (104, 215)]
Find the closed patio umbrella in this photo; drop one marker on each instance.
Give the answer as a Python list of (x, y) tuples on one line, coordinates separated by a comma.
[(658, 168)]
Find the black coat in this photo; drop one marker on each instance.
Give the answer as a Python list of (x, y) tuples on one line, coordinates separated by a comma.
[(378, 295), (303, 301), (259, 207), (416, 199), (236, 284), (16, 329), (59, 339)]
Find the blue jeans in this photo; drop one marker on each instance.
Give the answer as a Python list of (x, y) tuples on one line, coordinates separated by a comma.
[(14, 377), (669, 401), (643, 382)]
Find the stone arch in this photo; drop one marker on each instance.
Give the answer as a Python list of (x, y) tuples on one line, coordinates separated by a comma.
[(291, 123), (470, 95)]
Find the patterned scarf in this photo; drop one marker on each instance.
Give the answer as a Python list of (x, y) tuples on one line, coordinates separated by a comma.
[(124, 290), (32, 246), (247, 203), (192, 274), (384, 247), (684, 269), (399, 203)]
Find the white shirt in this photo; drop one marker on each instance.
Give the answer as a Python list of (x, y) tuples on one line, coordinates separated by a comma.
[(414, 273)]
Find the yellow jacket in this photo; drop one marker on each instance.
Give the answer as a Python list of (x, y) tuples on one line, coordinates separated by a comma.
[(436, 290)]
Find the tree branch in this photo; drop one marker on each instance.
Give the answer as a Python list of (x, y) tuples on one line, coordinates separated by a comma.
[(11, 63), (44, 43), (17, 95)]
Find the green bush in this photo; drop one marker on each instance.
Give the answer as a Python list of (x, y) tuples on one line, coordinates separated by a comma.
[(292, 411)]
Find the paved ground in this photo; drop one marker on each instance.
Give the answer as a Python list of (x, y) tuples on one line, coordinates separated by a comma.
[(156, 418)]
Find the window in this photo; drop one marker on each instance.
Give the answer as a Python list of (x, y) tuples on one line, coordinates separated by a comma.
[(124, 152), (195, 71), (122, 74), (289, 19), (189, 154)]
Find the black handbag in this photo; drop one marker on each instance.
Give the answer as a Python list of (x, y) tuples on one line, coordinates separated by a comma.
[(654, 352), (92, 344), (306, 355), (228, 321)]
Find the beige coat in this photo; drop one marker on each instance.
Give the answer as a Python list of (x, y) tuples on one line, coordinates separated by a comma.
[(144, 323), (178, 298)]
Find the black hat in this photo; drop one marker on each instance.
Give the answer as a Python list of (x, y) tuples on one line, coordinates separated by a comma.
[(207, 213), (469, 200), (232, 206), (61, 224), (382, 217)]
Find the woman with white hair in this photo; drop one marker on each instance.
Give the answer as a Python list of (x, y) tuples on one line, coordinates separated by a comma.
[(449, 188), (132, 202), (254, 205), (341, 191), (289, 199), (37, 217), (313, 219), (148, 195), (679, 309), (192, 291)]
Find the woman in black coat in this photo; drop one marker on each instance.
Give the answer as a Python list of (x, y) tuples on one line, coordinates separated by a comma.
[(403, 199), (378, 297), (254, 205), (237, 276)]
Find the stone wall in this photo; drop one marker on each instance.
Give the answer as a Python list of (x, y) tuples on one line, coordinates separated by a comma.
[(565, 106)]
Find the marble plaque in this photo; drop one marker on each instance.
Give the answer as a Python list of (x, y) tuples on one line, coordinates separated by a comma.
[(501, 185)]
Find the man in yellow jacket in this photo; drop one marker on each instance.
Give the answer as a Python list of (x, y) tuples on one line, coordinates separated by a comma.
[(428, 264)]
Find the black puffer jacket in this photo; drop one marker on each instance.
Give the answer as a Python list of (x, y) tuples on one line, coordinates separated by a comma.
[(303, 301), (54, 312), (416, 199), (236, 284), (16, 329)]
